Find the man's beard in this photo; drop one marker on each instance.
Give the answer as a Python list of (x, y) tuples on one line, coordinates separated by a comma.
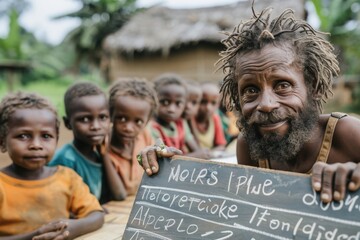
[(273, 146)]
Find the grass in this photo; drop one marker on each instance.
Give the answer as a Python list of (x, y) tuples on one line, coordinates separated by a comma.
[(53, 90)]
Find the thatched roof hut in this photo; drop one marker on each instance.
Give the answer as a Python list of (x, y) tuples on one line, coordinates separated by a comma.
[(164, 33)]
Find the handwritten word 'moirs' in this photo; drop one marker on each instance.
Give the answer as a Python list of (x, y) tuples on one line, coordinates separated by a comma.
[(195, 176)]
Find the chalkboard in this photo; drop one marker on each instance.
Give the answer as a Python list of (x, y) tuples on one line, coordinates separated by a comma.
[(196, 199)]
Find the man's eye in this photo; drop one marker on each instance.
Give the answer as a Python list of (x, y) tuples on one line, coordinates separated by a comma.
[(282, 86), (250, 91), (122, 119)]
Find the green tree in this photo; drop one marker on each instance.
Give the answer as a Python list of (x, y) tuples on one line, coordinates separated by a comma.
[(341, 19), (99, 18)]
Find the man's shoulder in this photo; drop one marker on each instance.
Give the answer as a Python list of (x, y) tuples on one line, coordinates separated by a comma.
[(344, 121)]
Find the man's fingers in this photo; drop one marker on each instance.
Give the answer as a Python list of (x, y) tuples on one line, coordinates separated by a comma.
[(316, 178), (148, 157), (322, 180), (327, 183), (341, 177), (354, 183), (170, 152), (153, 166), (145, 157)]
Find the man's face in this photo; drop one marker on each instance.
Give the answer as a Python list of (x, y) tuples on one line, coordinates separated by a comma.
[(275, 112)]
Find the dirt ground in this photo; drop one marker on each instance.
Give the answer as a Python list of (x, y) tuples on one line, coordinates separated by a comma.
[(65, 137)]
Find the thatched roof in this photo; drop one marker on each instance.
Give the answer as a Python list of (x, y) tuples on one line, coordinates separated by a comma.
[(159, 29)]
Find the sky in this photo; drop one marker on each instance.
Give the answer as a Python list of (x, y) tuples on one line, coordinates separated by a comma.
[(38, 18)]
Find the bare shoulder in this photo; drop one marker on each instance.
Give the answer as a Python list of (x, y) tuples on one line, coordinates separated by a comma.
[(242, 152), (346, 139), (348, 127)]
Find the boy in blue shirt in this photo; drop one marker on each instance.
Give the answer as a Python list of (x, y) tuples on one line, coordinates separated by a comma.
[(87, 115)]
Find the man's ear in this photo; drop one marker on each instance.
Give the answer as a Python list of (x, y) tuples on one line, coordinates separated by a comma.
[(67, 123)]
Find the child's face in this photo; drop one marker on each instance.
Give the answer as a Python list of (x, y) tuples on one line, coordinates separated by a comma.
[(209, 102), (32, 137), (192, 102), (172, 98), (89, 119), (130, 116)]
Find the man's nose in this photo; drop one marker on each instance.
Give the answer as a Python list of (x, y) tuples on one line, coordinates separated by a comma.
[(267, 102)]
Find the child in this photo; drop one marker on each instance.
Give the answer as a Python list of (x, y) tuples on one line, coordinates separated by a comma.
[(36, 201), (87, 115), (194, 95), (132, 104), (168, 125), (207, 125)]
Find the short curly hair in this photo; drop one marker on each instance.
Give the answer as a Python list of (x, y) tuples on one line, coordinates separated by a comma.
[(169, 78), (21, 100), (136, 87), (315, 54), (78, 90)]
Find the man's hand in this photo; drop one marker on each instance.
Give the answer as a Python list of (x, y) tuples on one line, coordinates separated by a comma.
[(148, 157), (333, 180)]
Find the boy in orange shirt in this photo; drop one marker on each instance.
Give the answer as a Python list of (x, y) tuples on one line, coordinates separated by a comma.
[(36, 201), (132, 103)]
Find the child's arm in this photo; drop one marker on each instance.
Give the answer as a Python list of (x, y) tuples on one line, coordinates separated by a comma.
[(78, 227), (116, 186), (53, 230), (63, 229)]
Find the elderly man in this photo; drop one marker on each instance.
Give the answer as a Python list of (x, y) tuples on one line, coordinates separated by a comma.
[(278, 75)]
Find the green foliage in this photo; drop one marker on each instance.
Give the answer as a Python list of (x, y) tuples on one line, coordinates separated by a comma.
[(99, 18), (341, 19), (10, 46), (334, 13)]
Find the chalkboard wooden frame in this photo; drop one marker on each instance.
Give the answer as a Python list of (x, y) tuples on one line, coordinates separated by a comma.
[(197, 199)]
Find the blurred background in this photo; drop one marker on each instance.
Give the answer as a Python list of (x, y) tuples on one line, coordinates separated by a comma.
[(47, 45)]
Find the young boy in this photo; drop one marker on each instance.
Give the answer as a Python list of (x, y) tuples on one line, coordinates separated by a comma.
[(168, 124), (132, 104), (194, 95), (206, 125), (36, 201), (87, 115)]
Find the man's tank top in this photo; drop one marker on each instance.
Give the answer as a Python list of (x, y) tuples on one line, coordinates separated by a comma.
[(326, 143)]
